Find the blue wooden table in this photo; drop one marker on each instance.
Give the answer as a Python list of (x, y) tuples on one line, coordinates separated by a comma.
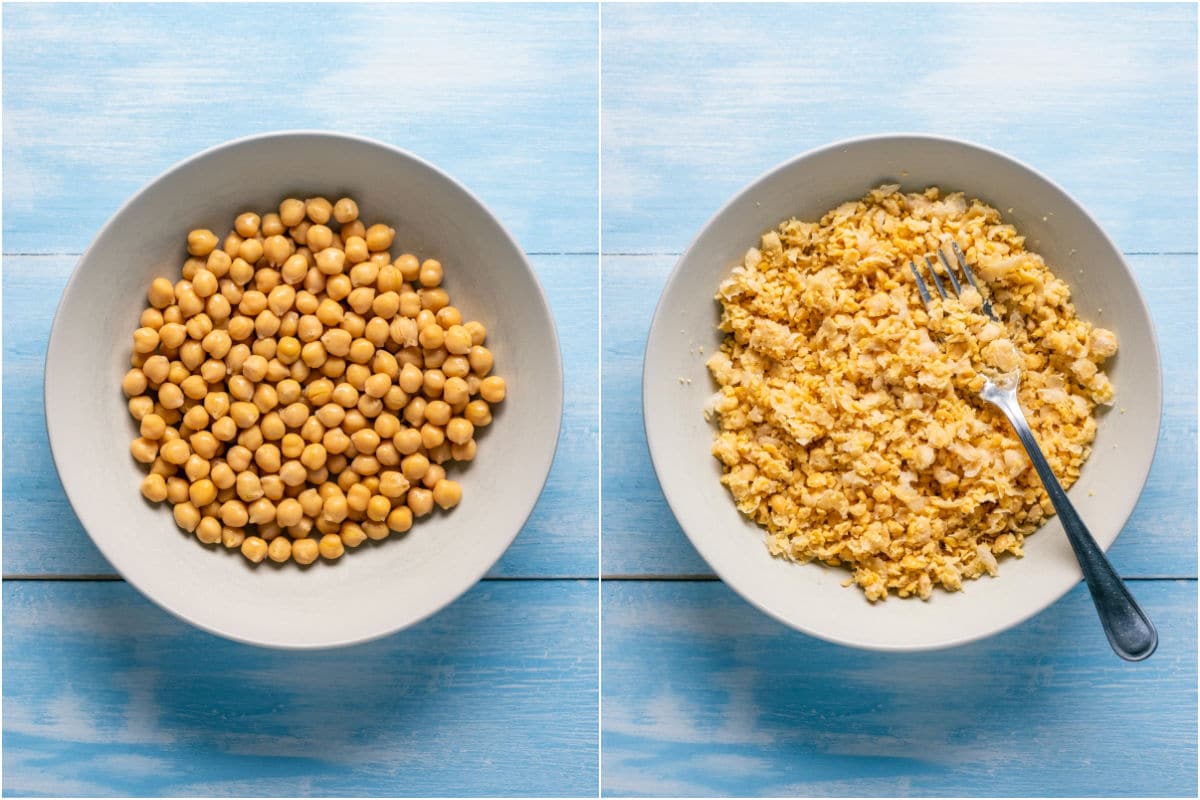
[(701, 693), (106, 694)]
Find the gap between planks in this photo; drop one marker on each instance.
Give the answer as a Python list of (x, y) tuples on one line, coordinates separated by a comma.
[(118, 578)]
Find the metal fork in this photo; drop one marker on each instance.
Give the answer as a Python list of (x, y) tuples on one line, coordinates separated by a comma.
[(1129, 630)]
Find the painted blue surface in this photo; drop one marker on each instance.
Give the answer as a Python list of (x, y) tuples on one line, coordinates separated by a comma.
[(703, 695), (104, 693)]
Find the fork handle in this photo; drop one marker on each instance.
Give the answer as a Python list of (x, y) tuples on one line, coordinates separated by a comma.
[(1129, 630)]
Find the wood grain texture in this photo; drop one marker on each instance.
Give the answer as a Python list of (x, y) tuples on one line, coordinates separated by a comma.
[(705, 696), (641, 536), (105, 694), (43, 536), (700, 99), (99, 99)]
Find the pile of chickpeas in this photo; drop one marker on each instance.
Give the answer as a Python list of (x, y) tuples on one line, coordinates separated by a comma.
[(299, 391)]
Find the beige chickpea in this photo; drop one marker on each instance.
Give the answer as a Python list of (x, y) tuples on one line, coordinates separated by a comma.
[(492, 389), (437, 412), (434, 474), (305, 551), (161, 293), (177, 490), (407, 441), (247, 224), (187, 516), (393, 484), (319, 210), (201, 242), (280, 549), (293, 473), (432, 337), (419, 501), (458, 340), (459, 430), (153, 427), (377, 385), (380, 237), (436, 301), (222, 476), (277, 250), (176, 452), (197, 468), (345, 210), (414, 466), (145, 340), (447, 494), (400, 519), (291, 212), (378, 508), (268, 458), (431, 273), (463, 452), (289, 512), (331, 546), (272, 225), (232, 538), (358, 495), (202, 492), (154, 488), (172, 335), (249, 487), (249, 251), (234, 514), (140, 406), (261, 511), (352, 534), (358, 253), (432, 436), (254, 549), (481, 360), (414, 412), (204, 283)]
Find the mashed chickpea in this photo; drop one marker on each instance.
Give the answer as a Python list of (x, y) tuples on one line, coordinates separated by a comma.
[(849, 421)]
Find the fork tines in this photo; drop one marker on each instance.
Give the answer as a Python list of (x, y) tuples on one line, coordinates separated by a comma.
[(923, 290)]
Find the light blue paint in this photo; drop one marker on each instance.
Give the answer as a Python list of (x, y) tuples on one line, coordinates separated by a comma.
[(705, 696), (106, 694), (701, 99), (99, 99)]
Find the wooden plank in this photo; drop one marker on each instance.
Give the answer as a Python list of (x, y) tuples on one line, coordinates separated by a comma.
[(699, 99), (105, 694), (705, 696), (43, 537), (99, 99), (641, 536)]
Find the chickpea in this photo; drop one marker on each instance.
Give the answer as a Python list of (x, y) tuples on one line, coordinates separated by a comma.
[(407, 441), (276, 249), (154, 488), (249, 251), (345, 210), (254, 549), (492, 389), (463, 452), (478, 413), (202, 492), (247, 224), (176, 452), (459, 430), (431, 273), (201, 242), (197, 468), (204, 283), (432, 337), (447, 494), (140, 406), (420, 501), (400, 519), (414, 466), (352, 534), (378, 508), (280, 549), (145, 340), (261, 511), (331, 546), (187, 516), (357, 251), (379, 237), (161, 293), (305, 551), (377, 385), (268, 458)]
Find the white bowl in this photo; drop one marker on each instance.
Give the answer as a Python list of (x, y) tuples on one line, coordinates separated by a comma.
[(810, 597), (380, 588)]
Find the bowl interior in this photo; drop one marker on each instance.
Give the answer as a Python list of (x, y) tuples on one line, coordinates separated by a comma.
[(402, 579), (683, 335)]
